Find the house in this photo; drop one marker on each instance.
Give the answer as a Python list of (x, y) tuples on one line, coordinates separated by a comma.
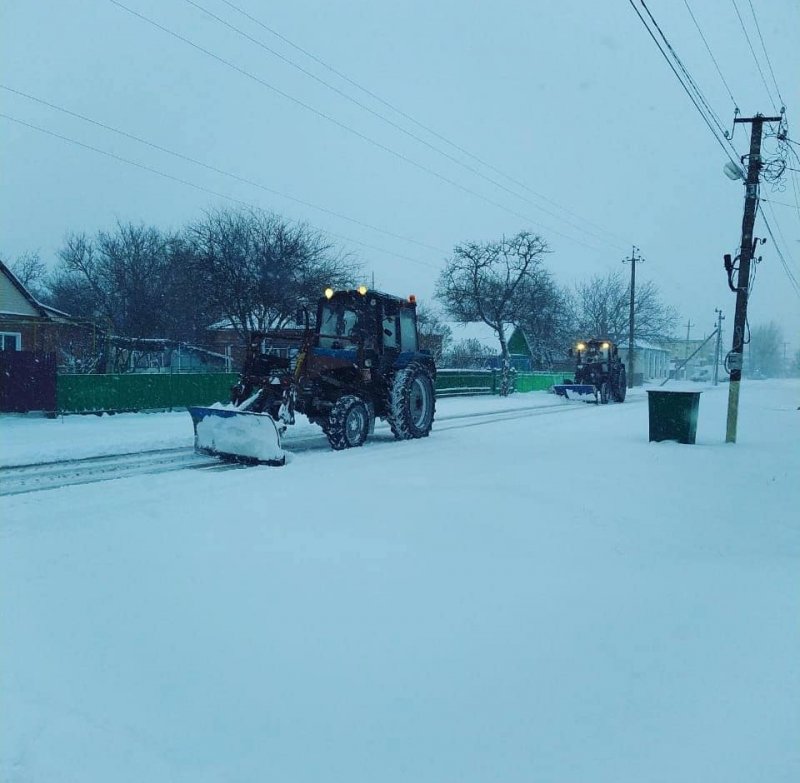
[(651, 362), (28, 325)]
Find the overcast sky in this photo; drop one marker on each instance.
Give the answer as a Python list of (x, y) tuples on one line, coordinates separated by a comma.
[(571, 100)]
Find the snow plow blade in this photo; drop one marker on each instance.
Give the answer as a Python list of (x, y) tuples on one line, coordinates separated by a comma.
[(237, 435), (577, 391)]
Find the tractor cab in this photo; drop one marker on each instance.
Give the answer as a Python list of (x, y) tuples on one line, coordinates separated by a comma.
[(368, 320), (588, 352)]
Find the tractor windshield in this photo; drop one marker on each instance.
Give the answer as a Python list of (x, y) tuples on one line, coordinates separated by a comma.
[(338, 322), (594, 354)]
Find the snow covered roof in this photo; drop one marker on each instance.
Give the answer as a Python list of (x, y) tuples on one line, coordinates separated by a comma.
[(641, 345)]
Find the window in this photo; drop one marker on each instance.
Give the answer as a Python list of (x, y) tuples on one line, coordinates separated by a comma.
[(408, 330), (338, 326), (10, 341)]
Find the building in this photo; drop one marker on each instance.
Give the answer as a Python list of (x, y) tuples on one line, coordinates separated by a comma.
[(651, 362), (28, 325)]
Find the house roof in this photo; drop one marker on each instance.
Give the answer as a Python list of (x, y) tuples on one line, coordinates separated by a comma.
[(29, 298), (641, 345)]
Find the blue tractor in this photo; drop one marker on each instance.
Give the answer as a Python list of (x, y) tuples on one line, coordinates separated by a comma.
[(599, 373)]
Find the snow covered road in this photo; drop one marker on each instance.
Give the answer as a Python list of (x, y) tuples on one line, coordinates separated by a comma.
[(117, 457), (549, 598)]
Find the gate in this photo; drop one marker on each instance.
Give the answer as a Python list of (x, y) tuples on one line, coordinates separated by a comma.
[(27, 381)]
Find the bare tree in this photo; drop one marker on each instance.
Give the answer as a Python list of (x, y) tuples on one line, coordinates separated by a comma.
[(546, 318), (119, 278), (434, 334), (766, 349), (31, 271), (469, 354), (259, 268), (601, 308), (489, 282)]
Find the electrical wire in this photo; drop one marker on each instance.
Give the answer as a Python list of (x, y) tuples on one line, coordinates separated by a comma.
[(389, 121), (350, 129), (766, 53), (753, 52), (686, 89), (683, 68), (784, 263), (711, 54), (410, 118), (216, 170), (201, 188)]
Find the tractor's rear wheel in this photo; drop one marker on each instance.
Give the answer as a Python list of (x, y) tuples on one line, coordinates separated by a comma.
[(621, 387), (412, 403), (348, 424)]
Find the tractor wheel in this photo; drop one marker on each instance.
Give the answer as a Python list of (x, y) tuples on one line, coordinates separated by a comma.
[(348, 423), (621, 388), (605, 393), (412, 403)]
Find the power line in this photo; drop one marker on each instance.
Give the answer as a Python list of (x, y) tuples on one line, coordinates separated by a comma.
[(753, 52), (766, 53), (711, 54), (410, 118), (686, 89), (792, 279), (387, 120), (683, 68), (209, 167), (194, 185), (346, 127)]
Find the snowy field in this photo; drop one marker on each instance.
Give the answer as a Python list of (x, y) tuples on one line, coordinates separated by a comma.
[(541, 598)]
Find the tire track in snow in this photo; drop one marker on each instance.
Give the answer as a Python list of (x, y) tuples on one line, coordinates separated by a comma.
[(21, 479)]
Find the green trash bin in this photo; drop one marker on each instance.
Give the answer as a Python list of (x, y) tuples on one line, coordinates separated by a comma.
[(673, 415)]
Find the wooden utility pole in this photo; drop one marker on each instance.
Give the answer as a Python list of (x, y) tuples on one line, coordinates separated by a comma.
[(633, 260), (689, 326), (720, 319), (743, 276)]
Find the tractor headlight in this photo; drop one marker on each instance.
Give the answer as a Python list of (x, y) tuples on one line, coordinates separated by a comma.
[(328, 293), (362, 289), (581, 347), (606, 346)]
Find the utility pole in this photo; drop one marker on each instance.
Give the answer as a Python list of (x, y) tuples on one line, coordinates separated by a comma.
[(743, 276), (633, 260), (689, 326), (720, 319)]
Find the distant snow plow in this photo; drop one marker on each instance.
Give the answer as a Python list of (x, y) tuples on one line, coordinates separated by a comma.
[(599, 374), (232, 434), (361, 362)]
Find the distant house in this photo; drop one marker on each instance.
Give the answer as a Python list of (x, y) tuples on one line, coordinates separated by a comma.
[(651, 362)]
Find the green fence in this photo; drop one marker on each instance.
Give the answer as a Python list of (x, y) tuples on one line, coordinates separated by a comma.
[(537, 381), (134, 391), (157, 391)]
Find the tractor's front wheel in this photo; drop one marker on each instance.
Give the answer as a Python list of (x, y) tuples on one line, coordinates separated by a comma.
[(348, 424), (412, 403), (605, 393)]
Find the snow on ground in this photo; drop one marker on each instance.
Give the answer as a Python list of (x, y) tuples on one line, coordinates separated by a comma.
[(549, 598), (28, 440)]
